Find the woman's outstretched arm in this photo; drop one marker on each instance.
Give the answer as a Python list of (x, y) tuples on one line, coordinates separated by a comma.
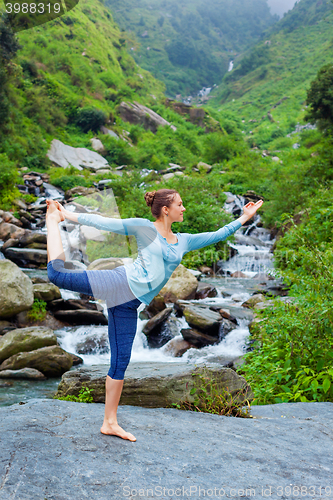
[(120, 226), (196, 241)]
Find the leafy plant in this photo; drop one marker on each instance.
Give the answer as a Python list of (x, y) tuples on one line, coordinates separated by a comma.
[(84, 396), (37, 312), (209, 397)]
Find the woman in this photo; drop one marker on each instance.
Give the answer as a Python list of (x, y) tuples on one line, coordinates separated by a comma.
[(160, 251)]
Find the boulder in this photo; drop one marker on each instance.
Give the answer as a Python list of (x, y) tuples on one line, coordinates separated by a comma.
[(72, 305), (141, 115), (204, 167), (97, 145), (94, 345), (77, 360), (10, 218), (204, 290), (46, 291), (156, 305), (16, 290), (80, 191), (8, 231), (176, 347), (64, 156), (202, 318), (156, 331), (82, 317), (23, 320), (182, 285), (26, 256), (52, 361), (153, 384), (25, 339), (197, 338), (252, 301), (24, 373)]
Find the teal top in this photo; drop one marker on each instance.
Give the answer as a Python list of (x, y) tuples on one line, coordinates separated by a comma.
[(157, 259)]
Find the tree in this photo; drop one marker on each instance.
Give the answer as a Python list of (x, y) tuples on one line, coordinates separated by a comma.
[(8, 48), (320, 98)]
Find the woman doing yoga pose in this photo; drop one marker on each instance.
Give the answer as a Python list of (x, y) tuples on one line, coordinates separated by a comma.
[(124, 288)]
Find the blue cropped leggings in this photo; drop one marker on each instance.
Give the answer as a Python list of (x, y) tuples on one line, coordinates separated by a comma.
[(122, 317)]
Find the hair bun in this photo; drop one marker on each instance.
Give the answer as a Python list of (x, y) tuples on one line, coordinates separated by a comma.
[(149, 197)]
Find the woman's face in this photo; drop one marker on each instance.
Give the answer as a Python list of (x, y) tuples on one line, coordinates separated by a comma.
[(176, 209)]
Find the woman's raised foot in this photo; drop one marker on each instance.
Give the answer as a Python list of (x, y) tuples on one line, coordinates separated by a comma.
[(53, 212), (115, 430)]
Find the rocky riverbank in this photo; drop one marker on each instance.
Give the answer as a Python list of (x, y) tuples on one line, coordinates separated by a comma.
[(54, 450)]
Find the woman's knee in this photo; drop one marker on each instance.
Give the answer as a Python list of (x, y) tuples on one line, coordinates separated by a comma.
[(54, 268)]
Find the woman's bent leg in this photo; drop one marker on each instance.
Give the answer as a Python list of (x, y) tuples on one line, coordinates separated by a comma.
[(77, 281), (122, 329)]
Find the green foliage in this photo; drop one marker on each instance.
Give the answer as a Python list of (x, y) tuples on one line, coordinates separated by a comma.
[(211, 397), (37, 312), (90, 119), (8, 179), (84, 396), (8, 48), (320, 98), (292, 354)]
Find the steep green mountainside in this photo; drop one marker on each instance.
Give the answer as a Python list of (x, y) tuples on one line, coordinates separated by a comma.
[(281, 66), (188, 44), (78, 60)]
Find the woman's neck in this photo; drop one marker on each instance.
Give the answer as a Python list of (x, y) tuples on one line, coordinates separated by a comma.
[(163, 226)]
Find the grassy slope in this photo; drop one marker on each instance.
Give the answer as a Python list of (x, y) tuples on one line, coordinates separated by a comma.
[(296, 52), (190, 45), (77, 60)]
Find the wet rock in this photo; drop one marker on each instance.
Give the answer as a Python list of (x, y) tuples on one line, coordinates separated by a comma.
[(238, 274), (94, 345), (23, 320), (72, 305), (82, 317), (154, 385), (46, 291), (206, 270), (202, 318), (204, 290), (25, 339), (26, 257), (52, 361), (156, 332), (197, 338), (24, 373), (16, 290), (176, 347), (252, 301), (156, 305), (181, 285), (77, 360)]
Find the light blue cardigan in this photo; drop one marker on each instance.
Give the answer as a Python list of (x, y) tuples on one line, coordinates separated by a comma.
[(157, 259)]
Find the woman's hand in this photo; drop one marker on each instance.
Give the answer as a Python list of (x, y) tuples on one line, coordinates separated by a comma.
[(250, 208)]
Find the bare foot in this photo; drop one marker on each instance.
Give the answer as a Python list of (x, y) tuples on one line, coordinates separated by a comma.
[(53, 212), (116, 430)]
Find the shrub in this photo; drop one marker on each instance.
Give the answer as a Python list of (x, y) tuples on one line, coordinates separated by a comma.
[(90, 119)]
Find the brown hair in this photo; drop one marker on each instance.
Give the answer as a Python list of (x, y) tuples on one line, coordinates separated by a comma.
[(156, 200)]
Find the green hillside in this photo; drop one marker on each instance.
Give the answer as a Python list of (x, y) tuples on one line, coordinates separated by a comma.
[(267, 87), (189, 44), (79, 60)]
